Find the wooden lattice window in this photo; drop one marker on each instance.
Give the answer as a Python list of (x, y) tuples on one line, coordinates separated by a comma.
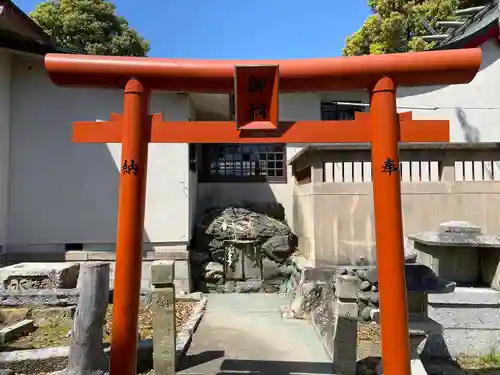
[(243, 163)]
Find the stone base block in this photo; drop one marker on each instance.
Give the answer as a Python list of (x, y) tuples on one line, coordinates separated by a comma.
[(34, 276), (471, 322), (39, 298), (464, 342), (56, 254), (16, 330)]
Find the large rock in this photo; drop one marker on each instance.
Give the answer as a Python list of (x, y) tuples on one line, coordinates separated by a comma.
[(238, 225), (24, 277)]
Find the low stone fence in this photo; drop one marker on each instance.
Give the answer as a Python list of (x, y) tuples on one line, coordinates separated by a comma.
[(339, 299)]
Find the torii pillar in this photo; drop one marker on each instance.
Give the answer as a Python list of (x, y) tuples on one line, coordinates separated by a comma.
[(257, 122), (389, 227)]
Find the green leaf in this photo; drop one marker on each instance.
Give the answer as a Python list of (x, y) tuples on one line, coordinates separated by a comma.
[(395, 25), (90, 26)]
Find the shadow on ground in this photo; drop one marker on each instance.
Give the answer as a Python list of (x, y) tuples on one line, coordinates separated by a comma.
[(194, 360), (254, 367), (366, 366), (237, 366)]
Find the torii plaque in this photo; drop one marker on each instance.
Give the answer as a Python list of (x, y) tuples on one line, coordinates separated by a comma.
[(257, 84)]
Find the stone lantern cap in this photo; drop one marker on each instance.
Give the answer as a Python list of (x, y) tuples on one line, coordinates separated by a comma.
[(455, 234)]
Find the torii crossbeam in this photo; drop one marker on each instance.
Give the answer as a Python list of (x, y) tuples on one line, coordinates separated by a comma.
[(256, 85), (350, 131)]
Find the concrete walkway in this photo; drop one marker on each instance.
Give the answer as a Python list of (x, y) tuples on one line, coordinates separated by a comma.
[(245, 334)]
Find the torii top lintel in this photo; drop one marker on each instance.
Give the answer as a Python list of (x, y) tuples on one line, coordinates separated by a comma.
[(217, 76)]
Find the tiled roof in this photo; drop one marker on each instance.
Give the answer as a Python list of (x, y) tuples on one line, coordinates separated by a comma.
[(477, 29), (19, 32)]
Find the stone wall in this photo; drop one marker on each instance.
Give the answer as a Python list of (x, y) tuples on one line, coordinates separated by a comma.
[(333, 214)]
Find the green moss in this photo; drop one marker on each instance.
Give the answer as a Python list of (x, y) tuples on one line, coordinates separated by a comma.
[(52, 329), (490, 361)]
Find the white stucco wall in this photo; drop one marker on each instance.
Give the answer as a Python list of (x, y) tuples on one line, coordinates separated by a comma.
[(62, 192), (193, 180), (473, 109), (5, 88)]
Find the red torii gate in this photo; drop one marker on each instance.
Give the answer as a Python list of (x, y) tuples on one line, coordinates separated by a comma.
[(257, 84)]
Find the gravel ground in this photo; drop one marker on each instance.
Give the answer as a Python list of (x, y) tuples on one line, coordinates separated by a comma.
[(369, 332), (53, 330)]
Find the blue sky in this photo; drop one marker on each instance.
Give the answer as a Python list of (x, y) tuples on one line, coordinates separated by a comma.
[(241, 29)]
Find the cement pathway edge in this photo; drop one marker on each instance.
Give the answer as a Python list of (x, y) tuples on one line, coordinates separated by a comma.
[(185, 336), (54, 359)]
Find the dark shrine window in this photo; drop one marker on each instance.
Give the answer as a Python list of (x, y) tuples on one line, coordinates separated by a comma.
[(243, 163), (332, 111)]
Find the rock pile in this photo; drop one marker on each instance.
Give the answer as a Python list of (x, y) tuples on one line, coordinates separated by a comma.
[(368, 297), (262, 226)]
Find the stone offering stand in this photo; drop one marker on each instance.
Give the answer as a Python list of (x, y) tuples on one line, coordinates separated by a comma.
[(339, 298), (54, 287), (460, 251)]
